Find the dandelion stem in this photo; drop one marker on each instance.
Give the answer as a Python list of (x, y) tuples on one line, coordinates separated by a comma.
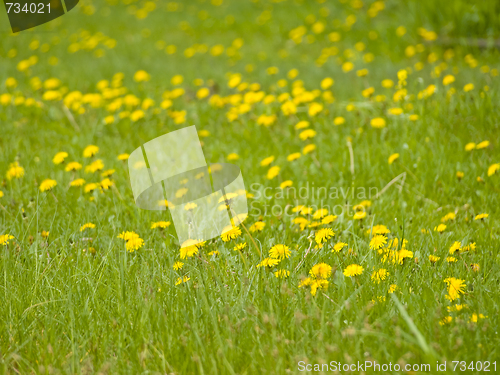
[(253, 241), (70, 117), (351, 157)]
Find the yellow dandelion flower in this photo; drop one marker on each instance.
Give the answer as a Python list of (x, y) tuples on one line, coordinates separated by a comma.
[(15, 171), (378, 241), (468, 87), (282, 274), (91, 187), (338, 121), (268, 262), (474, 317), (73, 166), (440, 228), (77, 183), (392, 158), (293, 156), (379, 275), (326, 83), (353, 270), (449, 216), (493, 169), (95, 166), (177, 266), (318, 284), (160, 224), (359, 215), (279, 252), (445, 320), (448, 79), (347, 66), (90, 151), (470, 146), (338, 247), (48, 184), (190, 206), (181, 280), (265, 162), (106, 183), (455, 288), (455, 247), (314, 109), (306, 134), (320, 213), (240, 246), (433, 258), (482, 145), (396, 111), (257, 226), (378, 123), (481, 217), (302, 125), (230, 233), (321, 271), (328, 219), (108, 173), (378, 229), (134, 244), (5, 238), (188, 249), (123, 157), (273, 172), (309, 148), (141, 76), (59, 157), (87, 226), (324, 235), (127, 235)]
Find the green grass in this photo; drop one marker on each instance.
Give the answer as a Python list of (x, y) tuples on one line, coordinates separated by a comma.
[(66, 310)]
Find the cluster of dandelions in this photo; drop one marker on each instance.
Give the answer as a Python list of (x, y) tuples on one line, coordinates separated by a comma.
[(318, 278), (277, 253), (132, 241)]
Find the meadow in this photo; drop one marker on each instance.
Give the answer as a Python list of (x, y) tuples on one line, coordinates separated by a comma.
[(367, 135)]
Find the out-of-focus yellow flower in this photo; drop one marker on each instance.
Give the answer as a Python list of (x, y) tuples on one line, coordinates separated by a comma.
[(90, 151), (326, 83), (469, 87), (15, 171), (448, 79), (273, 172), (482, 145), (306, 134), (309, 148), (59, 157), (392, 158), (339, 121), (378, 123), (141, 76), (48, 184), (202, 93)]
